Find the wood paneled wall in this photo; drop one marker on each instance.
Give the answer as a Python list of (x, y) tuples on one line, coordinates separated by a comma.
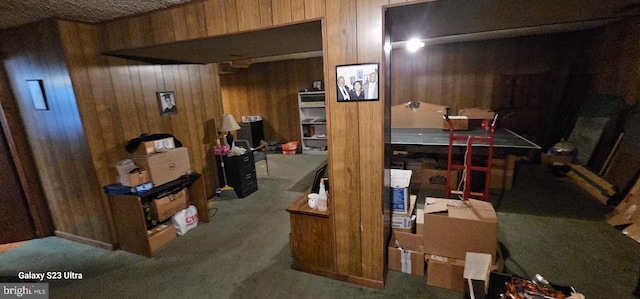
[(56, 136), (270, 90), (97, 104), (22, 156), (352, 33), (616, 56), (465, 74)]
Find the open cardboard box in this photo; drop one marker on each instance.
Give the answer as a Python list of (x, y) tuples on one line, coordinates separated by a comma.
[(452, 228), (406, 254)]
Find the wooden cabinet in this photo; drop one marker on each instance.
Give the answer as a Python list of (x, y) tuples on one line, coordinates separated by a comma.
[(129, 219), (311, 238), (313, 122)]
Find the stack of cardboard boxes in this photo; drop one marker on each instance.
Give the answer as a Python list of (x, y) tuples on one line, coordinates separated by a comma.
[(446, 230)]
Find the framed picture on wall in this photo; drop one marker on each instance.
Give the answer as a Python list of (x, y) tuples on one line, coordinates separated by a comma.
[(167, 102), (357, 82)]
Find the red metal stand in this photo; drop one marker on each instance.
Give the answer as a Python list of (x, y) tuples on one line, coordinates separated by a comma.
[(468, 167)]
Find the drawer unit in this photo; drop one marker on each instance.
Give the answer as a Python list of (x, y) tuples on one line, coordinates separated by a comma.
[(241, 174)]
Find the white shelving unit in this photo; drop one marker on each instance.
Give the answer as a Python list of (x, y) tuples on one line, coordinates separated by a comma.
[(313, 122)]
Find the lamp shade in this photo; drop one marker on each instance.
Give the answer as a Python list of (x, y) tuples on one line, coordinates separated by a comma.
[(229, 123)]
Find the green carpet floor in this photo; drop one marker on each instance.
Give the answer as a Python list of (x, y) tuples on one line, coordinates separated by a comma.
[(546, 227)]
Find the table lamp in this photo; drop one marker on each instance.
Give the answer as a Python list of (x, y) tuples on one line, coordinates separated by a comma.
[(228, 124)]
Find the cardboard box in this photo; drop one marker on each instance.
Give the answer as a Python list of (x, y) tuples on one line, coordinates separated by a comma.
[(160, 235), (458, 122), (556, 159), (502, 171), (463, 226), (415, 165), (419, 221), (155, 146), (163, 208), (436, 179), (448, 275), (165, 167), (405, 221), (134, 179), (400, 180), (405, 253)]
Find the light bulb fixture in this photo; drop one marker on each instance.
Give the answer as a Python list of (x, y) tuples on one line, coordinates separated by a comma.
[(387, 48), (414, 44)]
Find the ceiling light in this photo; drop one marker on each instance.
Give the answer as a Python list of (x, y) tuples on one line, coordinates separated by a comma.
[(414, 44)]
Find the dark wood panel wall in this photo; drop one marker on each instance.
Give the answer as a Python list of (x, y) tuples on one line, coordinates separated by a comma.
[(352, 34), (270, 90), (616, 56), (466, 74), (56, 136)]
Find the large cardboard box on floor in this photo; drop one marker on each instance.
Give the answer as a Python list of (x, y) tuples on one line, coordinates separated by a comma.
[(405, 222), (164, 167), (405, 253), (453, 227), (400, 181)]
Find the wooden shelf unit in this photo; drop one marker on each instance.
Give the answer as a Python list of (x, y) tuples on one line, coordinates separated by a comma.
[(313, 121), (129, 220)]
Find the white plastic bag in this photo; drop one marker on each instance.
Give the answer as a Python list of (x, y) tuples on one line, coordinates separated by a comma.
[(185, 220)]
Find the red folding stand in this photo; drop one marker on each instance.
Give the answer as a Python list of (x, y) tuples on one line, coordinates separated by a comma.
[(467, 167)]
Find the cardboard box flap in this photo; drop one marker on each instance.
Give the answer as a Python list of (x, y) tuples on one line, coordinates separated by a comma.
[(400, 178), (435, 208), (406, 241)]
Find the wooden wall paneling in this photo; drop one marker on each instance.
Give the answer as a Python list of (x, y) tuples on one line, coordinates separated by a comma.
[(117, 36), (96, 105), (21, 154), (281, 11), (314, 9), (195, 20), (371, 136), (140, 31), (191, 116), (179, 21), (297, 10), (248, 15), (198, 117), (124, 97), (417, 64), (138, 97), (345, 146), (215, 17), (231, 15), (68, 179), (163, 31), (266, 14), (212, 104), (149, 99)]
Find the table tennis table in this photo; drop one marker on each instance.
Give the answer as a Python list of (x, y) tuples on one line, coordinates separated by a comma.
[(503, 138)]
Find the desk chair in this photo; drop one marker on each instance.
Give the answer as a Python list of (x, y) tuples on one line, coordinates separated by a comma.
[(259, 152)]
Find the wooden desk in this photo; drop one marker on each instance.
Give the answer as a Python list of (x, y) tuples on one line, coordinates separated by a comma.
[(311, 237)]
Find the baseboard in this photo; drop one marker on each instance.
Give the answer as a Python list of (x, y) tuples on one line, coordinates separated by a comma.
[(83, 240)]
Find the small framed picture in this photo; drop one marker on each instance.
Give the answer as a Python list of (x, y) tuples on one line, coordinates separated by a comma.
[(167, 102), (362, 84)]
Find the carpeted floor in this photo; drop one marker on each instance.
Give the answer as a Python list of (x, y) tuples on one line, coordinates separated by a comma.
[(244, 251)]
